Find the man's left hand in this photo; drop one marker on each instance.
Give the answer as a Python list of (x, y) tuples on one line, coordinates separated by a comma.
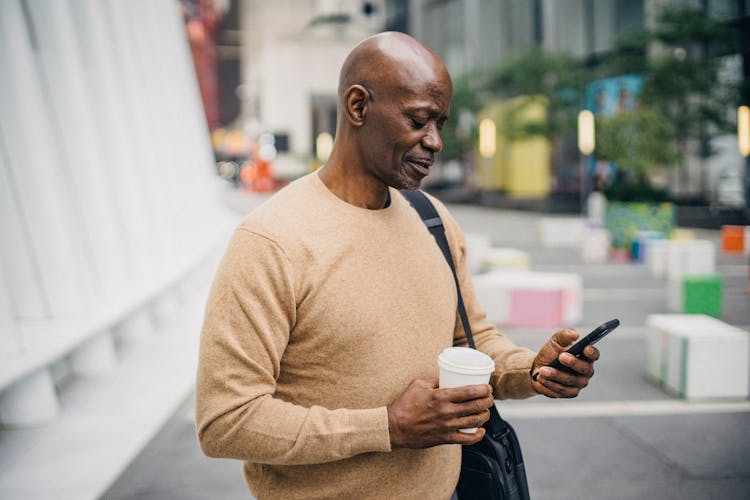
[(555, 383)]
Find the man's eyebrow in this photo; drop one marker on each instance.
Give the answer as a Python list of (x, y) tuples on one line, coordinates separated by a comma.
[(427, 109)]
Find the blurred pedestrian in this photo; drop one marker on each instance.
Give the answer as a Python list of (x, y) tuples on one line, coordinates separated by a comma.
[(319, 348)]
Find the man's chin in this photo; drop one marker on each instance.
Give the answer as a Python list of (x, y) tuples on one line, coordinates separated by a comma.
[(410, 184)]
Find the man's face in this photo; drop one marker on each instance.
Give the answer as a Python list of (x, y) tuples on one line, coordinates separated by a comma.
[(403, 129)]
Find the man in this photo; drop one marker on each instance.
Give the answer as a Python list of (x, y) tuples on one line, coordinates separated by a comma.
[(324, 324)]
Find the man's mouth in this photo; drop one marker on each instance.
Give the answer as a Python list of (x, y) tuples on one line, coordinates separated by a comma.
[(421, 165)]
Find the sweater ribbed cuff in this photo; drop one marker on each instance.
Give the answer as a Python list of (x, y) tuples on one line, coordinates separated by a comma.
[(369, 430), (515, 383)]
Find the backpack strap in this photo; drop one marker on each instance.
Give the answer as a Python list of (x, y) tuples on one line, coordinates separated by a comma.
[(496, 426), (434, 223)]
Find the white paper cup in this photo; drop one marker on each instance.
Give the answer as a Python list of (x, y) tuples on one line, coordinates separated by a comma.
[(460, 366)]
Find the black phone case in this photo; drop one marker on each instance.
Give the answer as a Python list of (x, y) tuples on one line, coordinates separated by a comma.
[(577, 348)]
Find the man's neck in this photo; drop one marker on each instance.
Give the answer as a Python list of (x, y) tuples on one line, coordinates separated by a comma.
[(354, 187)]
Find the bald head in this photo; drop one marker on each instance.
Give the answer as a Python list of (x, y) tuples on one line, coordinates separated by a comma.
[(394, 97), (388, 62)]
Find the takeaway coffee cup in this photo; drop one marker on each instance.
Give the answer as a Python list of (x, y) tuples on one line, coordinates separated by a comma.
[(461, 366)]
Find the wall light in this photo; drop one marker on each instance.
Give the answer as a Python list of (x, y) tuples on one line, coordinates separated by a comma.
[(743, 130), (586, 133), (323, 146), (487, 138)]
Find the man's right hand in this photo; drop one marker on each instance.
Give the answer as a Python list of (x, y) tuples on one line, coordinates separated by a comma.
[(425, 415)]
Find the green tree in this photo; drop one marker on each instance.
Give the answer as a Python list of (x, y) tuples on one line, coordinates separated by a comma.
[(460, 133), (682, 74), (639, 142)]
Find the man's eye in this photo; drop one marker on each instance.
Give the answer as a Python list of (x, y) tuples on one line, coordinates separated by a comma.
[(417, 124)]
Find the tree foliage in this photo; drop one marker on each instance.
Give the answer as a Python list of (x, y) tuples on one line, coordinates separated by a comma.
[(682, 75), (459, 133), (638, 142), (683, 91)]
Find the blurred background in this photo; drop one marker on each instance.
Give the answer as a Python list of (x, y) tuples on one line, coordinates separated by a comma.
[(525, 69), (135, 134)]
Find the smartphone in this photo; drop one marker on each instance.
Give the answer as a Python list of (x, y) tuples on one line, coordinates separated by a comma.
[(592, 338)]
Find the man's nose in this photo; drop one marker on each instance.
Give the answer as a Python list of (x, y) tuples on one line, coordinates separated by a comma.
[(431, 140)]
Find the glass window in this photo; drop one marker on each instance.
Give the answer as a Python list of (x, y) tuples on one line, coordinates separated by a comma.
[(723, 9), (493, 37), (444, 32), (628, 15), (569, 27)]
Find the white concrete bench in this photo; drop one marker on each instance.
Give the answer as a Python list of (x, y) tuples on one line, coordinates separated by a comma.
[(595, 245), (482, 257), (700, 293), (124, 371), (676, 258), (697, 357), (86, 346), (506, 258), (561, 231), (529, 298), (477, 247)]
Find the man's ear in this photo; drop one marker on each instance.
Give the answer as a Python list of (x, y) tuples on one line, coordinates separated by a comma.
[(357, 104)]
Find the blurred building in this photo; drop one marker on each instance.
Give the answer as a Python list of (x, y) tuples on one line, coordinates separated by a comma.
[(471, 34), (214, 36), (482, 34), (292, 51), (270, 69)]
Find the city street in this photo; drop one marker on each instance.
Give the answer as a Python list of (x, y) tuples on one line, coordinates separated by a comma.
[(624, 438)]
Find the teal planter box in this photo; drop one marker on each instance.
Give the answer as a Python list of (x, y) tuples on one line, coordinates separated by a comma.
[(625, 219)]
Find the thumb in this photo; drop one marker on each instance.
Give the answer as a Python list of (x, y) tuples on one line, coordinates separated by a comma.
[(564, 338), (559, 341)]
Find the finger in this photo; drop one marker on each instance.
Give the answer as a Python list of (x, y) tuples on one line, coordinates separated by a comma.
[(452, 434), (464, 438), (469, 421), (564, 376), (544, 391), (558, 389), (465, 393), (473, 407), (569, 379), (591, 353), (578, 365)]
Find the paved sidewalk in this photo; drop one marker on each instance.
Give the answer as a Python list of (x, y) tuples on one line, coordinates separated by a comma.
[(624, 438)]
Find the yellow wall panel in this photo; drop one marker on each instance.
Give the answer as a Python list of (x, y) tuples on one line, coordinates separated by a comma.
[(520, 167)]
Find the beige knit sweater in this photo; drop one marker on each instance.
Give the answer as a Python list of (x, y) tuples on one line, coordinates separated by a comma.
[(321, 314)]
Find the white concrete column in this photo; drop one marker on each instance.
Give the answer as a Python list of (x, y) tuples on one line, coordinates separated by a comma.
[(130, 74), (10, 340), (186, 120), (136, 328), (21, 275), (183, 82), (82, 159), (157, 113), (96, 356), (32, 161), (173, 92), (166, 307), (114, 131), (30, 401)]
